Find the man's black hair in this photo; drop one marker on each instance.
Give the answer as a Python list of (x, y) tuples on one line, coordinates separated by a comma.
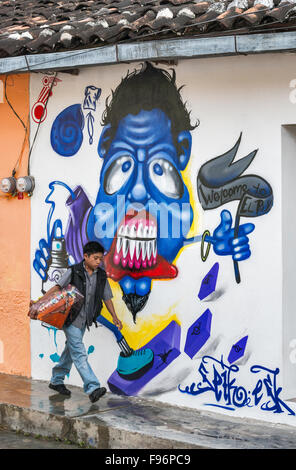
[(147, 89), (92, 247)]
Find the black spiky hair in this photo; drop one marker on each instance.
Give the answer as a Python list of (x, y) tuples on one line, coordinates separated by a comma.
[(146, 89)]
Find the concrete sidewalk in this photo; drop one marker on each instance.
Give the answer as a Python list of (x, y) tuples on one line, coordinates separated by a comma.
[(117, 422)]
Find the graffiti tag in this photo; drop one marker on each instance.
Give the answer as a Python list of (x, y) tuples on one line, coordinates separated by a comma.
[(219, 379), (164, 356)]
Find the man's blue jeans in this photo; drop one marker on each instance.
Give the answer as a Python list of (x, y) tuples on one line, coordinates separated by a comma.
[(75, 352)]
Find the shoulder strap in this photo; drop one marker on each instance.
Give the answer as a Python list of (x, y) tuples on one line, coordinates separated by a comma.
[(72, 274), (101, 273)]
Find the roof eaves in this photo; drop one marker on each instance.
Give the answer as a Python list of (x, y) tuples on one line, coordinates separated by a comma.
[(166, 49)]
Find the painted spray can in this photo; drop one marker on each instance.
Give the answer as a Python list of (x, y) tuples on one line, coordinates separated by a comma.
[(58, 263)]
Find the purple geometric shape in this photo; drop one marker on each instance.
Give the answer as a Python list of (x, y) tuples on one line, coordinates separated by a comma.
[(166, 347), (198, 334), (208, 284), (237, 350)]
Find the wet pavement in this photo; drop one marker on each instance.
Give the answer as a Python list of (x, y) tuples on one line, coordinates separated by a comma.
[(120, 422), (14, 440)]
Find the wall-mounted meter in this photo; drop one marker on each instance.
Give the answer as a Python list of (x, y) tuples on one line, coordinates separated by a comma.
[(25, 184), (8, 185)]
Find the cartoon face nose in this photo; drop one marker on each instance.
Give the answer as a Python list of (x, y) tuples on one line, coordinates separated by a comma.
[(139, 192)]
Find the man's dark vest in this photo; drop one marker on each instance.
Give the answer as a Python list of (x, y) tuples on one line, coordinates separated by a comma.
[(78, 280)]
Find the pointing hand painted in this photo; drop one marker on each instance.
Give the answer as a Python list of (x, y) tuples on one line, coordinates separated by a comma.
[(224, 242)]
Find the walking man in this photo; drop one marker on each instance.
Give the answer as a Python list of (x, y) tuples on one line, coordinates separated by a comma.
[(91, 280)]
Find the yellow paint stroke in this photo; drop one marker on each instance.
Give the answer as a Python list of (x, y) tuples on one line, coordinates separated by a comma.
[(146, 327), (193, 232), (192, 198)]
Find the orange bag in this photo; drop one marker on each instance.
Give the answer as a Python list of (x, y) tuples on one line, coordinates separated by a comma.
[(56, 308)]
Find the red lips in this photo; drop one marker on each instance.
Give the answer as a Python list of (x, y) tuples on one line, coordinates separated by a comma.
[(134, 250)]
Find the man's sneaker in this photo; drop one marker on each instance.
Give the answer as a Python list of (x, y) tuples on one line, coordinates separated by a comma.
[(60, 389), (96, 394), (137, 364)]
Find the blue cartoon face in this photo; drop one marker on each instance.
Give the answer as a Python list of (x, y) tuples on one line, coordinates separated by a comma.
[(142, 212)]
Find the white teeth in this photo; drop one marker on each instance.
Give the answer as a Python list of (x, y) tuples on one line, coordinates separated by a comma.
[(141, 240), (146, 230), (144, 248), (133, 231), (149, 249), (140, 231), (154, 248), (132, 246), (118, 244), (138, 248), (125, 247)]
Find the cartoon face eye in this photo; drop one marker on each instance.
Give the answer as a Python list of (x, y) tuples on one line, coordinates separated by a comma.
[(118, 173), (166, 178)]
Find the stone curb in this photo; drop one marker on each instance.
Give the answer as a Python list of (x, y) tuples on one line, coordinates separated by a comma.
[(82, 431)]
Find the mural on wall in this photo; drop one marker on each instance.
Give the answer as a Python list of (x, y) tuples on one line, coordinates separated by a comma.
[(143, 210), (220, 380), (219, 181), (39, 111), (67, 130)]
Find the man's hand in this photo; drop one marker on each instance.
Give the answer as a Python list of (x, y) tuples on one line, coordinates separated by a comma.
[(110, 307), (32, 313), (224, 242), (117, 322)]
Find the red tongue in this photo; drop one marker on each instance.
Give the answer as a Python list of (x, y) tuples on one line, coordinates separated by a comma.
[(162, 269)]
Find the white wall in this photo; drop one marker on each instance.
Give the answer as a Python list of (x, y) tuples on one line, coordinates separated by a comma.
[(229, 96), (289, 273)]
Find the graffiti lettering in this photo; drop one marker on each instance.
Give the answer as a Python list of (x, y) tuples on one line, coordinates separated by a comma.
[(275, 404), (226, 194), (216, 187), (219, 379), (259, 191), (254, 207)]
